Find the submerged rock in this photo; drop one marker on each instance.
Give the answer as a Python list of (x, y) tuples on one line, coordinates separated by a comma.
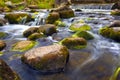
[(52, 17), (74, 43), (23, 45), (64, 11), (6, 73), (86, 35), (79, 26), (51, 58), (48, 29), (30, 31), (112, 33), (15, 18), (2, 45)]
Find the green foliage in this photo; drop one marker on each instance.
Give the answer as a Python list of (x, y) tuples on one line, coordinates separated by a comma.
[(2, 3)]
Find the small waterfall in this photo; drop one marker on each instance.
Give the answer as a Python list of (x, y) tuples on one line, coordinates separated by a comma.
[(93, 6), (40, 18)]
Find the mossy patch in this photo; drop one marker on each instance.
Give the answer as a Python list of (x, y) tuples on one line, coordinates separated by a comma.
[(110, 33), (23, 45), (74, 43), (59, 23), (35, 36), (3, 35), (115, 12), (1, 53), (83, 34), (80, 26)]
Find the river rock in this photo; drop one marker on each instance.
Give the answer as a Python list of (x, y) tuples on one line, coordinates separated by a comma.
[(35, 36), (112, 33), (86, 35), (115, 24), (3, 35), (15, 18), (30, 31), (64, 11), (115, 12), (33, 7), (47, 58), (79, 26), (2, 22), (23, 46), (6, 73), (74, 43), (48, 29), (2, 45), (116, 5), (52, 17)]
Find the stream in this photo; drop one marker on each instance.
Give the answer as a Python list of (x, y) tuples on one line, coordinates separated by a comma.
[(96, 62)]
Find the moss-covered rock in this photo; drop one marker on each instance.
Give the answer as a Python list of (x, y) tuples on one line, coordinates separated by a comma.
[(2, 45), (6, 73), (52, 17), (48, 29), (115, 12), (64, 11), (23, 46), (35, 36), (48, 58), (15, 18), (59, 23), (112, 33), (30, 31), (3, 35), (74, 43), (86, 35), (80, 26)]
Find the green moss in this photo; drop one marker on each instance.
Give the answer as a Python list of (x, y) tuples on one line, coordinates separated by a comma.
[(1, 53), (115, 12), (2, 34), (23, 46), (79, 27), (59, 23), (115, 75), (83, 34), (74, 43)]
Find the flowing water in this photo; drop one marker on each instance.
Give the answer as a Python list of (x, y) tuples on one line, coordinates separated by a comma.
[(96, 62)]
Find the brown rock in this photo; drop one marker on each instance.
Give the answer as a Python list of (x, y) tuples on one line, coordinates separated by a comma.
[(47, 58), (2, 45)]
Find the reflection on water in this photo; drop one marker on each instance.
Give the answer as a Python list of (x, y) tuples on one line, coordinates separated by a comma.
[(96, 62)]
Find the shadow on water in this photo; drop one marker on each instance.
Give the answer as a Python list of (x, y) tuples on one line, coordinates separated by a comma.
[(96, 62)]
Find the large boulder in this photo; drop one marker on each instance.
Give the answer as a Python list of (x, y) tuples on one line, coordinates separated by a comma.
[(52, 17), (23, 45), (48, 29), (111, 32), (64, 11), (15, 18), (50, 58), (2, 45), (86, 35), (74, 43), (6, 73), (79, 26)]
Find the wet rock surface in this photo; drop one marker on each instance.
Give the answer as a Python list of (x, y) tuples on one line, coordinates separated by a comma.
[(6, 73), (48, 58)]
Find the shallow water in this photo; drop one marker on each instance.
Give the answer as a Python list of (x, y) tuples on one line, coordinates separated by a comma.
[(96, 62)]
